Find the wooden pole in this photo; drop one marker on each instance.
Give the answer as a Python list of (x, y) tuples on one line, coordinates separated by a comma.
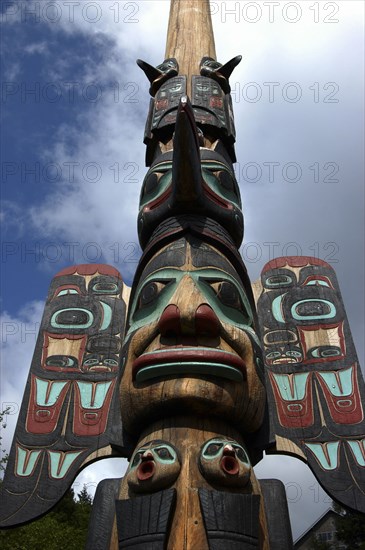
[(190, 35)]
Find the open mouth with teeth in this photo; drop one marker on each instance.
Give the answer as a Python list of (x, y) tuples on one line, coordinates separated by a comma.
[(189, 361)]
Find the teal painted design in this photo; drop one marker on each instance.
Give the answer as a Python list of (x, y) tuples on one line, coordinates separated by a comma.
[(163, 453), (42, 387), (315, 282), (278, 281), (358, 449), (86, 393), (332, 351), (67, 291), (329, 462), (203, 279), (295, 392), (26, 461), (189, 368), (149, 195), (276, 308), (107, 315), (102, 288), (61, 462), (88, 324), (329, 315), (208, 169), (214, 447), (336, 387)]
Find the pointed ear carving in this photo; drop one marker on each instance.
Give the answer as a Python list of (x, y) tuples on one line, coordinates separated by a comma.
[(160, 74), (218, 72)]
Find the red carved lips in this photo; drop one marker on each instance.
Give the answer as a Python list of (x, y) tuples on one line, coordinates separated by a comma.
[(229, 462), (147, 467), (184, 355)]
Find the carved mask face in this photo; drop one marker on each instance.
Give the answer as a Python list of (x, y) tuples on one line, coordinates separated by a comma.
[(191, 345), (153, 467), (224, 462)]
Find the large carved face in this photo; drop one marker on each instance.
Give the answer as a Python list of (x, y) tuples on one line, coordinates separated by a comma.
[(191, 347)]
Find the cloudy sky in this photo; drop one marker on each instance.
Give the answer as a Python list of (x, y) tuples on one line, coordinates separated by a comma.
[(74, 105)]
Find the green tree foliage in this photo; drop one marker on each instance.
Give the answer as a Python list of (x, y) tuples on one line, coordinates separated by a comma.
[(317, 544), (350, 527), (64, 528), (3, 454)]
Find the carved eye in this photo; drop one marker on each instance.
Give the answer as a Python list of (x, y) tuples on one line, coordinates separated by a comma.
[(228, 294), (213, 449), (149, 293), (240, 453), (137, 459), (163, 453)]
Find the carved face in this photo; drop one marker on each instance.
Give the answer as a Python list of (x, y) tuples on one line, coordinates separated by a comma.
[(224, 462), (191, 346), (192, 180), (153, 467)]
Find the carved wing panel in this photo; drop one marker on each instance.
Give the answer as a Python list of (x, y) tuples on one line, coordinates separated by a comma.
[(314, 382), (70, 404)]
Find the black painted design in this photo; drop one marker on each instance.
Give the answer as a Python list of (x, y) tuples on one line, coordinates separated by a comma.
[(144, 522), (102, 515), (231, 520), (277, 514)]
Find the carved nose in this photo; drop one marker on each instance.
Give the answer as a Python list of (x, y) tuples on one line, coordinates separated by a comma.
[(204, 322)]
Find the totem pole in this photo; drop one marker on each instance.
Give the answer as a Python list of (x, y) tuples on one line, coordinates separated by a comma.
[(177, 383)]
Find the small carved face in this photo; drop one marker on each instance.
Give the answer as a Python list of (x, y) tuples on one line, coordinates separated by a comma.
[(153, 467), (224, 462), (191, 346)]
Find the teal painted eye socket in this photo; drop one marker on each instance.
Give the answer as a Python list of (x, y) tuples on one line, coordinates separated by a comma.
[(90, 362), (156, 182), (273, 355), (72, 318), (295, 354), (137, 459), (105, 288), (313, 309), (241, 453), (110, 362), (61, 361), (149, 293), (329, 351), (212, 450), (279, 281), (164, 454), (228, 294)]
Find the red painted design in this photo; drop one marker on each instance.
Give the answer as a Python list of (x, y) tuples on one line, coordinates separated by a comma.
[(344, 409), (294, 261), (91, 422), (42, 419), (66, 287), (313, 328), (216, 102), (294, 413), (318, 278), (90, 269), (45, 355)]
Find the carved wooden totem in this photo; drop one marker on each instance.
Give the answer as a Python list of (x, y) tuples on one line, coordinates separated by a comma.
[(177, 385)]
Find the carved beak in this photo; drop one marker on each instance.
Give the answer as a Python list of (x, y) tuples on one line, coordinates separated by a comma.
[(187, 177)]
